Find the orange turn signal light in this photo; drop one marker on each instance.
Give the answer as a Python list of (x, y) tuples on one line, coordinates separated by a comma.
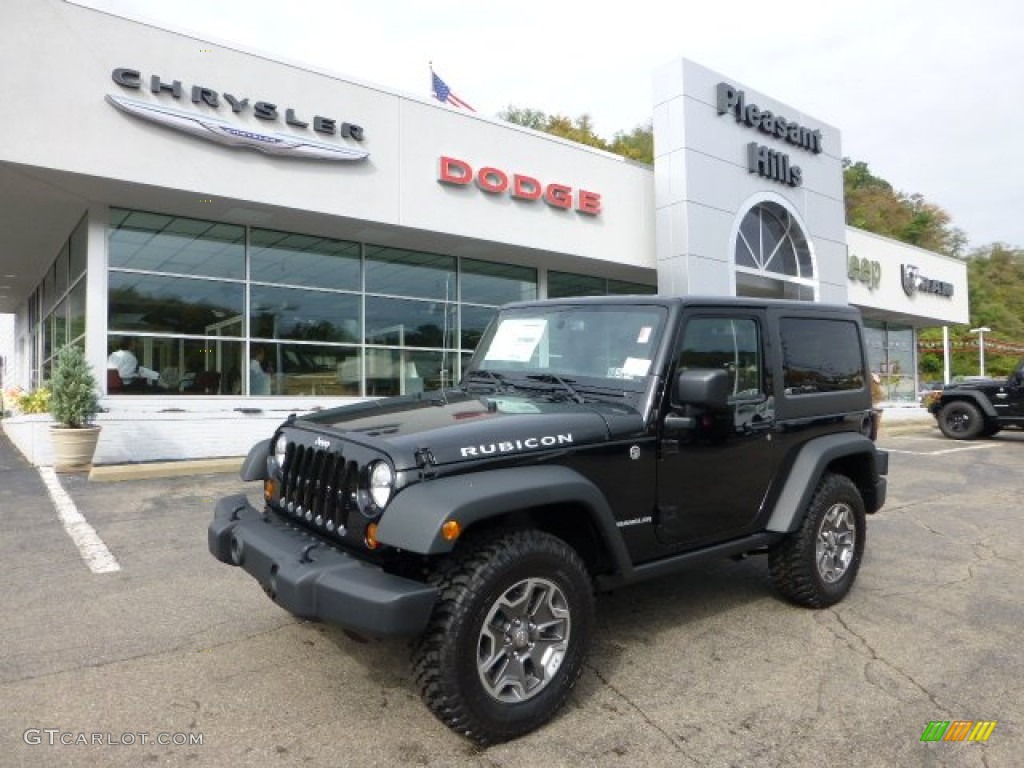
[(451, 530), (269, 489), (370, 539)]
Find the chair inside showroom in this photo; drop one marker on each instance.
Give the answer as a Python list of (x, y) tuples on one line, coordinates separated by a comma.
[(115, 385), (205, 383)]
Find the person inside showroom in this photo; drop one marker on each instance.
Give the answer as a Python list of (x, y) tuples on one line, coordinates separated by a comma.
[(133, 375)]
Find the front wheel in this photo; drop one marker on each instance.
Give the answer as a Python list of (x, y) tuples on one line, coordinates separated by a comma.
[(960, 420), (509, 636), (816, 564)]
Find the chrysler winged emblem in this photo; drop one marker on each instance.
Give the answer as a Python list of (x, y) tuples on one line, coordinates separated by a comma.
[(228, 134)]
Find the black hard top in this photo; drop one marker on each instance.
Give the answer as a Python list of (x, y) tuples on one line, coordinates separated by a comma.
[(690, 301)]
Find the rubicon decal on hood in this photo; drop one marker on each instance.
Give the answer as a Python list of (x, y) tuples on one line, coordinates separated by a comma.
[(513, 446)]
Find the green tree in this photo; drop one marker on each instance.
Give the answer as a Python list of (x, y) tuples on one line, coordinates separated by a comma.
[(874, 205), (995, 276), (580, 130), (637, 144), (531, 118)]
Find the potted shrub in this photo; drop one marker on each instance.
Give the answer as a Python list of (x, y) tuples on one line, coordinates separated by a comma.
[(73, 405)]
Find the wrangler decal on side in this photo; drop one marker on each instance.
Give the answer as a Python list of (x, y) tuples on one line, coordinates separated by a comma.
[(511, 446)]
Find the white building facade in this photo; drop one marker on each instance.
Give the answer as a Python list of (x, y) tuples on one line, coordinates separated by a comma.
[(267, 238)]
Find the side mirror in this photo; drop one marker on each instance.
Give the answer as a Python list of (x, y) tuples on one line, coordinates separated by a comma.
[(704, 389)]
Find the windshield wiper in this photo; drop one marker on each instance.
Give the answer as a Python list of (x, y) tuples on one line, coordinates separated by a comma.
[(552, 378), (497, 378)]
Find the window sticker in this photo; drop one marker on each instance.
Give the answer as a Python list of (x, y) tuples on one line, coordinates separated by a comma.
[(636, 366), (645, 335), (516, 339)]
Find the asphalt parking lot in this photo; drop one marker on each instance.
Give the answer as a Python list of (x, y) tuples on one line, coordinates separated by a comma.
[(706, 668)]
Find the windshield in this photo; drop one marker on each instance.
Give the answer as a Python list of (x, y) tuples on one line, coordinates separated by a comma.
[(602, 345)]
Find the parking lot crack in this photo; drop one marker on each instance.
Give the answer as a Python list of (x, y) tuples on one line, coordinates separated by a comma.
[(155, 654), (639, 710), (864, 647)]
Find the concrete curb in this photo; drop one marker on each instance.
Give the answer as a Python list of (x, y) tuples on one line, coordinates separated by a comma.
[(116, 472), (906, 426)]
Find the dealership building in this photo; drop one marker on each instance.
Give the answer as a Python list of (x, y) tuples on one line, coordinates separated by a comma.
[(268, 238)]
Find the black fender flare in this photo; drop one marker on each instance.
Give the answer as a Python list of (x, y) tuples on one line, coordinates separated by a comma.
[(413, 520), (975, 398), (807, 470), (255, 465)]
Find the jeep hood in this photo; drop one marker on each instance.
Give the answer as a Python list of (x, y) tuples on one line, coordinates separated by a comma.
[(463, 427), (977, 385)]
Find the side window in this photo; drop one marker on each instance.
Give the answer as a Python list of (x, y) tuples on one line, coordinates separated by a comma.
[(820, 356), (725, 342)]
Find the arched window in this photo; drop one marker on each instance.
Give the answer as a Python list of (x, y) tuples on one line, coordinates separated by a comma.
[(773, 258)]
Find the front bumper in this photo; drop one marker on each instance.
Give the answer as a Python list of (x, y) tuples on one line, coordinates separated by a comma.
[(314, 580)]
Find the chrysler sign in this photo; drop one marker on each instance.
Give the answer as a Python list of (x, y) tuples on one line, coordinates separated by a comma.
[(236, 134)]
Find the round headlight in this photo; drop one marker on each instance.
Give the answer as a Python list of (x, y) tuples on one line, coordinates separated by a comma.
[(280, 448), (382, 481)]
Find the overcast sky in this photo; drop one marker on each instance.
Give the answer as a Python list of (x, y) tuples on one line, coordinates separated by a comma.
[(930, 93)]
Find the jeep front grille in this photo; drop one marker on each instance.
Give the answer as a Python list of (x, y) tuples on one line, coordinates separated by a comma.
[(319, 488)]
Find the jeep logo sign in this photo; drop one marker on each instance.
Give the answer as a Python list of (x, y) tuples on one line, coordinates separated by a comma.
[(865, 271)]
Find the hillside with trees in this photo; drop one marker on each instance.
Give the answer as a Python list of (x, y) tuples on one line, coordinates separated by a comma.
[(995, 272)]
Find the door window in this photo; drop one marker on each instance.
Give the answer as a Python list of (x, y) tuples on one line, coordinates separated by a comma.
[(732, 344)]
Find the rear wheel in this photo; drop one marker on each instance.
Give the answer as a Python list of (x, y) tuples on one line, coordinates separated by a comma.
[(509, 637), (961, 420), (816, 565)]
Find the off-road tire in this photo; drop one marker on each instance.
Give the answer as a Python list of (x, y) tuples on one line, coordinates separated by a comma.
[(961, 420), (476, 584), (801, 565)]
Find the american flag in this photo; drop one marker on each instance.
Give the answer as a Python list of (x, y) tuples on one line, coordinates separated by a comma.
[(443, 93)]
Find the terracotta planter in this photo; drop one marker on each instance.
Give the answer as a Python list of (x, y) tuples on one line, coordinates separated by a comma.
[(73, 449)]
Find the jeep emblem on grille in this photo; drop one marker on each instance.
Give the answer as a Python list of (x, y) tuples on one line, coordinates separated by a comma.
[(321, 443)]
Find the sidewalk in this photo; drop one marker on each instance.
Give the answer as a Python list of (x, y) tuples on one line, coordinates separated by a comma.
[(900, 418)]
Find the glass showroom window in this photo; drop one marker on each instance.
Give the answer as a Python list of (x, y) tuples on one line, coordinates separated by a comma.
[(485, 286), (56, 309), (892, 356), (773, 259), (176, 297), (283, 258), (562, 285), (411, 329), (305, 290)]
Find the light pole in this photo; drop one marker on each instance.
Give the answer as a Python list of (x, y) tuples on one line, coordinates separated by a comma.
[(981, 347)]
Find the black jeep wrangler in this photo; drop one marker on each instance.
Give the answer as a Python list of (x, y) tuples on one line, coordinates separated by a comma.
[(592, 443), (980, 408)]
